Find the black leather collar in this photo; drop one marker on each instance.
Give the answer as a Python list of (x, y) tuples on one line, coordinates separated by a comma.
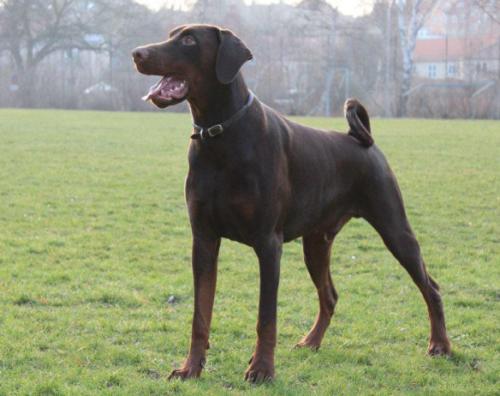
[(215, 130)]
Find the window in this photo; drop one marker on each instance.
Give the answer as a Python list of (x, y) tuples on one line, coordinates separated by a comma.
[(452, 69), (423, 33), (431, 70)]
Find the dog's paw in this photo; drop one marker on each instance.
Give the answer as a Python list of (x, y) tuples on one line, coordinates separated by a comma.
[(259, 371), (188, 370), (439, 348), (308, 343)]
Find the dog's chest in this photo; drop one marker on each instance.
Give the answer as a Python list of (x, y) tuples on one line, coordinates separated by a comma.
[(227, 199)]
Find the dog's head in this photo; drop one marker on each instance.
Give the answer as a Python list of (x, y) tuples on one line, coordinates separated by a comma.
[(193, 59)]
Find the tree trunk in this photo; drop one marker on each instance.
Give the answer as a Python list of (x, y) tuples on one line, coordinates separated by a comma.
[(406, 80), (408, 26), (411, 17), (27, 91)]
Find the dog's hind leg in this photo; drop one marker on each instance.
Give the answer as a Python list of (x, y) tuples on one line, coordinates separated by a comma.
[(317, 248), (387, 215)]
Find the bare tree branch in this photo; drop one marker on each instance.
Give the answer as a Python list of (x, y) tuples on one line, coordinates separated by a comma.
[(485, 7)]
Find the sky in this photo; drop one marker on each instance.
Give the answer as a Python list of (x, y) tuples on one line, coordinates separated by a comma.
[(349, 7)]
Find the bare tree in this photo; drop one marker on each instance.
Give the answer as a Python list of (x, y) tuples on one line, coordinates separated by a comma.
[(308, 56), (31, 30), (490, 8), (411, 17)]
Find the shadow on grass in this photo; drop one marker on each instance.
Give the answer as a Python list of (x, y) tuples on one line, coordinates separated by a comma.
[(461, 359)]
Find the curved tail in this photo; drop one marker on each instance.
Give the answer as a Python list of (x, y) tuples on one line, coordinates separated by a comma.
[(359, 122)]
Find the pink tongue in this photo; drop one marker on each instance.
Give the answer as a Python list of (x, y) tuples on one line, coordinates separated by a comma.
[(167, 88)]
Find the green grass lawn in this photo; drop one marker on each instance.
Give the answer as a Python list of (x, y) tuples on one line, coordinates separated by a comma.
[(94, 239)]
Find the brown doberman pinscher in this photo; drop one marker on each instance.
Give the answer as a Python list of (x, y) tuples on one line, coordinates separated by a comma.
[(260, 179)]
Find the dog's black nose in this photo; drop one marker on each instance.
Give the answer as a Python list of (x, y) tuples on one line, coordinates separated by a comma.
[(140, 54)]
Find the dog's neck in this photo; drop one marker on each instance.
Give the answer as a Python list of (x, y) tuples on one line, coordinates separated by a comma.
[(219, 102)]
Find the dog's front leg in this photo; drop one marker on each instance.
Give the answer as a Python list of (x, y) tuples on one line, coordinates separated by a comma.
[(205, 252), (262, 362)]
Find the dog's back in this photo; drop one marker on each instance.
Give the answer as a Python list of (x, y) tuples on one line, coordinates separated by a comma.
[(327, 172)]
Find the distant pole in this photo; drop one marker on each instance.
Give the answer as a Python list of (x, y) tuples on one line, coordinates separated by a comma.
[(388, 30), (347, 83), (331, 65), (448, 104), (111, 67), (328, 91), (72, 77), (496, 87), (446, 49), (110, 55)]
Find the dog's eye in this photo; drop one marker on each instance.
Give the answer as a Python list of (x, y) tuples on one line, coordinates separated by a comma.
[(188, 40)]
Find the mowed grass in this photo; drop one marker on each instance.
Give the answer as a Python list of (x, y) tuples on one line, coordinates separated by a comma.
[(94, 241)]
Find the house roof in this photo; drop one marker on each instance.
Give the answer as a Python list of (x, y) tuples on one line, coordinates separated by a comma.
[(453, 49)]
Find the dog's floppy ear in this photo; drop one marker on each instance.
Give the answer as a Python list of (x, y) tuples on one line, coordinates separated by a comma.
[(232, 54)]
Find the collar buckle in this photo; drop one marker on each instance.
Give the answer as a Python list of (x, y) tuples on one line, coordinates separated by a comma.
[(215, 130)]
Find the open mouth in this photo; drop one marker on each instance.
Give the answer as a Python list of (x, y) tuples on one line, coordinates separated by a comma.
[(168, 90)]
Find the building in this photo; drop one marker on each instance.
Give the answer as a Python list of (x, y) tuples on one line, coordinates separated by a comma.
[(458, 41)]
